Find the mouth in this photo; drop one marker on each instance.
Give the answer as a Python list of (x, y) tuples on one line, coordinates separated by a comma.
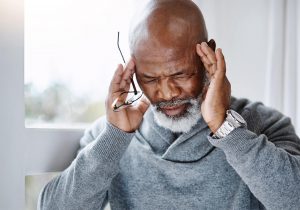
[(173, 111)]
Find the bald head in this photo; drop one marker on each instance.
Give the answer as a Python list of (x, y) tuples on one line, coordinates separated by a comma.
[(170, 24)]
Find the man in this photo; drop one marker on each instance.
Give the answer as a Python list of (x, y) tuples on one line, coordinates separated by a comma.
[(183, 146)]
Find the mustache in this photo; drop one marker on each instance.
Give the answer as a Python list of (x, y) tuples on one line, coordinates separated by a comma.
[(173, 102)]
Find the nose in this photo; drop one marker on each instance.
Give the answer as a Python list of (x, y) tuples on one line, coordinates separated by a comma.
[(167, 90)]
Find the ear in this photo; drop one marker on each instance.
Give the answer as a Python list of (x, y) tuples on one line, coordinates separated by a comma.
[(212, 44)]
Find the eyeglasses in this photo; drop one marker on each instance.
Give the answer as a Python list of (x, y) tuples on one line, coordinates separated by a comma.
[(130, 96)]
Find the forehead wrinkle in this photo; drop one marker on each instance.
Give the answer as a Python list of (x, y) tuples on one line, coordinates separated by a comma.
[(159, 58), (159, 54), (167, 69)]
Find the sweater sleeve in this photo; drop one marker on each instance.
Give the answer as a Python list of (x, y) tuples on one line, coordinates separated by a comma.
[(84, 184), (268, 161)]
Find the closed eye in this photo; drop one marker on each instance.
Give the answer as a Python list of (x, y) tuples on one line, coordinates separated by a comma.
[(150, 80), (179, 76), (182, 76)]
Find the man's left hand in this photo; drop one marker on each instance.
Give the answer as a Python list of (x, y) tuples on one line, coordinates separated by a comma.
[(217, 93)]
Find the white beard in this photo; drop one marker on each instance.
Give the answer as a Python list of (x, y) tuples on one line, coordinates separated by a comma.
[(182, 123)]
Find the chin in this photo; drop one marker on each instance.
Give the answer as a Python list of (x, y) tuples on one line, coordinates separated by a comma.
[(181, 122)]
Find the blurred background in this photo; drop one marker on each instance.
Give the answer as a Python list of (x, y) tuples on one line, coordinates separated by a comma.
[(71, 53), (57, 58)]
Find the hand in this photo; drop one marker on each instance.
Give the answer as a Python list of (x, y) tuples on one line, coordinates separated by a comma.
[(216, 95), (127, 119)]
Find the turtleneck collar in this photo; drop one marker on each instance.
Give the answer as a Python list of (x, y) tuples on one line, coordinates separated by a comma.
[(186, 147)]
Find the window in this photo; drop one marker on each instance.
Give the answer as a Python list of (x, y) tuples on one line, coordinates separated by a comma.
[(70, 56)]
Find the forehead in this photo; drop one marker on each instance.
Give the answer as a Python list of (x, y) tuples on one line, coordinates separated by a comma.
[(165, 60)]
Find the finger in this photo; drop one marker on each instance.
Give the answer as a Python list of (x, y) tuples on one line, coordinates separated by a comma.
[(199, 51), (206, 61), (221, 65), (210, 54), (129, 69), (118, 101), (143, 105), (127, 74), (203, 57), (209, 66), (126, 87), (116, 80), (125, 83)]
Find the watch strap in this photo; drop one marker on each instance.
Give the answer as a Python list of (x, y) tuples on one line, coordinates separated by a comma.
[(229, 124)]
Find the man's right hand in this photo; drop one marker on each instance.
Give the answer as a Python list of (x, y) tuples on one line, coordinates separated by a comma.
[(129, 118)]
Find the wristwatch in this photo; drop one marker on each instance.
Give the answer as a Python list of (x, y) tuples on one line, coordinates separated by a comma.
[(233, 120)]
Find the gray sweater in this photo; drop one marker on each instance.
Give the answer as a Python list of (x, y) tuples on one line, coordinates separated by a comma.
[(253, 168)]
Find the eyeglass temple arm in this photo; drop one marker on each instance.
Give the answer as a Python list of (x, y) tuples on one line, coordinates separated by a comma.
[(131, 79)]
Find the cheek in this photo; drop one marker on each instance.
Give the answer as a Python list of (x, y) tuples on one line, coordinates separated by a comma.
[(195, 86), (148, 92), (192, 88)]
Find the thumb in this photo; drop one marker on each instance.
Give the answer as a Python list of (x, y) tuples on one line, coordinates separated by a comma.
[(143, 105)]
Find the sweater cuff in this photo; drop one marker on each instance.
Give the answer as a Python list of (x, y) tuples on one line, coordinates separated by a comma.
[(112, 142), (237, 142)]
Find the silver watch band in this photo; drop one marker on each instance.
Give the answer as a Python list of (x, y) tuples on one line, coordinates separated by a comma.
[(224, 130), (233, 120)]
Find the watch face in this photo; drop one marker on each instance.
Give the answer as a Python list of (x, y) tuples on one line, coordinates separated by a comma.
[(238, 117)]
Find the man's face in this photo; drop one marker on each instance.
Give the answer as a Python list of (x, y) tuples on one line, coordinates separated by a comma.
[(170, 78)]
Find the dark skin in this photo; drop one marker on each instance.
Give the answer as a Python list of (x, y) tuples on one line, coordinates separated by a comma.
[(170, 61), (160, 78)]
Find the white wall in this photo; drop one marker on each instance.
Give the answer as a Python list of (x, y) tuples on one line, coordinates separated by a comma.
[(240, 28), (11, 105)]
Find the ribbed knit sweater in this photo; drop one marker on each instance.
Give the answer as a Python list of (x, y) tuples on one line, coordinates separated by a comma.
[(257, 167)]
